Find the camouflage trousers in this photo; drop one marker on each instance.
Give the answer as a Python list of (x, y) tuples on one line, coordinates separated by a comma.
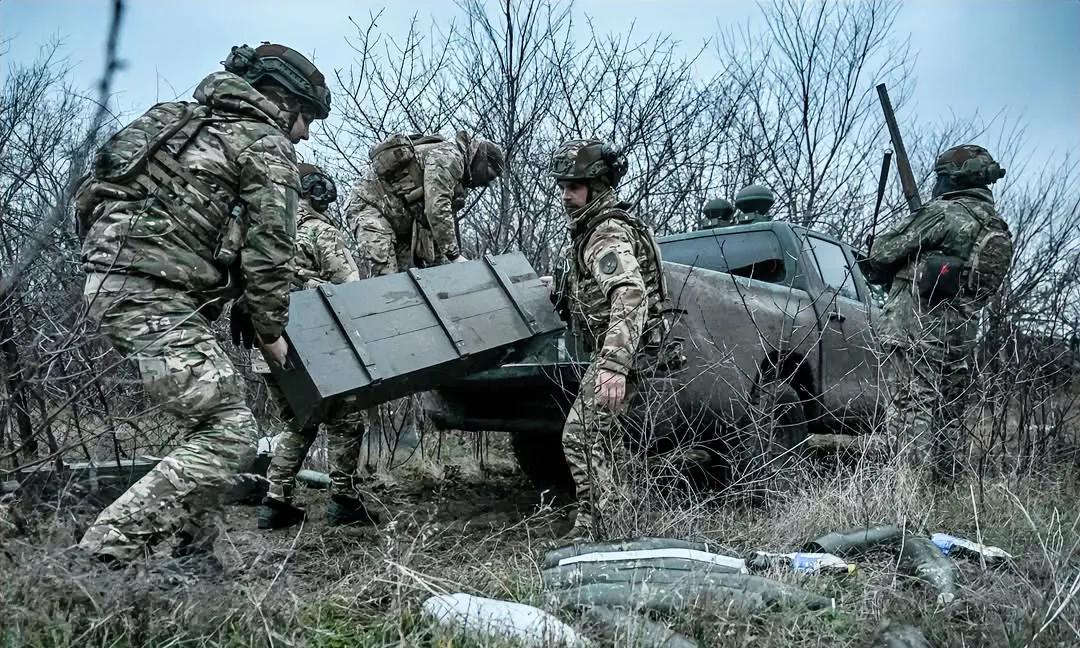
[(593, 443), (186, 373), (925, 415), (344, 423), (379, 250)]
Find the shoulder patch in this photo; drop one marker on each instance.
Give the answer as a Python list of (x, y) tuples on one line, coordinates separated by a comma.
[(609, 263)]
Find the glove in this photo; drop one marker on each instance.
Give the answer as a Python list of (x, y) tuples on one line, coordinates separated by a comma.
[(461, 258), (240, 326)]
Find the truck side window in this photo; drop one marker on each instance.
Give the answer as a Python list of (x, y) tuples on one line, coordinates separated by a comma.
[(756, 255), (834, 267)]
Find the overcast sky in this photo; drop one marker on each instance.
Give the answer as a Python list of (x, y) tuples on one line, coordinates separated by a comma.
[(1020, 56)]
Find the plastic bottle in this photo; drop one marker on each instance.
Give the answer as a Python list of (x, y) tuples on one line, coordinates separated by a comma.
[(803, 563), (959, 547)]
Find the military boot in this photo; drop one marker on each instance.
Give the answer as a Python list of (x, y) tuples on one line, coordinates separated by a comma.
[(275, 514), (582, 528), (344, 510)]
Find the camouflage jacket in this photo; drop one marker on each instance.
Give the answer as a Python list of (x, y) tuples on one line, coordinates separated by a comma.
[(443, 169), (615, 284), (951, 225), (322, 255), (240, 153)]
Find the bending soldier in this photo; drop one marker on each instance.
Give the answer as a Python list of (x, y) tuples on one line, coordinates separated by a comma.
[(403, 211), (322, 256), (942, 265), (191, 205), (614, 291)]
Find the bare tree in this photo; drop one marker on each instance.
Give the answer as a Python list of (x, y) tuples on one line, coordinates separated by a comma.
[(813, 120)]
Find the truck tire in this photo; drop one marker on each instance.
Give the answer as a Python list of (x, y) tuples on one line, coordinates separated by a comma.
[(540, 456), (771, 442)]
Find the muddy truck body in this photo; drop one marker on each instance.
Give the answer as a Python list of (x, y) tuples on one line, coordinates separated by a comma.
[(765, 308)]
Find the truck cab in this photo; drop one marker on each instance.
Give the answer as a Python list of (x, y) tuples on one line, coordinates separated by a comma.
[(756, 303)]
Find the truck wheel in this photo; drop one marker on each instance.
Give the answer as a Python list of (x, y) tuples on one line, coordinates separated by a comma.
[(540, 456), (771, 442)]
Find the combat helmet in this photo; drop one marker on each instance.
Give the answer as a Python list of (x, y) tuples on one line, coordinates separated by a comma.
[(487, 163), (587, 160), (285, 67), (316, 185), (754, 199), (968, 165)]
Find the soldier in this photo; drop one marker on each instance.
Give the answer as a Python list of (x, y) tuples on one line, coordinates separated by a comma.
[(944, 263), (322, 256), (753, 202), (717, 212), (403, 211), (191, 205), (614, 289)]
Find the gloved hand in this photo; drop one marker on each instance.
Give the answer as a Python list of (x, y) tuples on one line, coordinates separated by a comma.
[(240, 326), (461, 258), (277, 351)]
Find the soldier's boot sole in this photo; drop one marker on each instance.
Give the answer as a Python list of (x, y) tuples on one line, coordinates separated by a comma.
[(274, 514), (345, 511)]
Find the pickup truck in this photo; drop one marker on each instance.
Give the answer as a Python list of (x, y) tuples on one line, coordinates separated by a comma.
[(768, 312)]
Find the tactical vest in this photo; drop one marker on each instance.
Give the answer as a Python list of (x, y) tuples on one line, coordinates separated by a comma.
[(589, 305), (977, 271), (142, 159)]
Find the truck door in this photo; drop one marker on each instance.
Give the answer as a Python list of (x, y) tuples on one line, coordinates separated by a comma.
[(849, 358)]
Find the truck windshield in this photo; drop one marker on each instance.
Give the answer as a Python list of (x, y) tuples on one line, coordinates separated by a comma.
[(755, 254)]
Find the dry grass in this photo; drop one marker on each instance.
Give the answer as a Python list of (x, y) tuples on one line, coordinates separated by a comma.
[(455, 528)]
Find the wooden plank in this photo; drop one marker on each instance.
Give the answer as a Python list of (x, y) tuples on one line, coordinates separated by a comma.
[(507, 286), (326, 291), (435, 304)]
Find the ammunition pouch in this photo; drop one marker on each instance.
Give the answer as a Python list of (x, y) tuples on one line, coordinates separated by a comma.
[(661, 353), (939, 277)]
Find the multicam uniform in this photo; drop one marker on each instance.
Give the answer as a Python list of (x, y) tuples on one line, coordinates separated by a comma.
[(154, 286), (616, 289), (409, 218), (406, 218), (930, 341), (322, 256), (614, 293)]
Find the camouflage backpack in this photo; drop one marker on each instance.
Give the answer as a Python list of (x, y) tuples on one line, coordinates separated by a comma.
[(989, 261), (395, 161)]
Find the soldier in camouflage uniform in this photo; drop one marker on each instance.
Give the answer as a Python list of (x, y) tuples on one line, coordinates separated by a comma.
[(943, 264), (322, 256), (614, 290), (403, 211), (192, 205), (403, 214)]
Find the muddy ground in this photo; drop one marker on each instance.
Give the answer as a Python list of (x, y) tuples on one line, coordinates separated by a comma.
[(452, 525)]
